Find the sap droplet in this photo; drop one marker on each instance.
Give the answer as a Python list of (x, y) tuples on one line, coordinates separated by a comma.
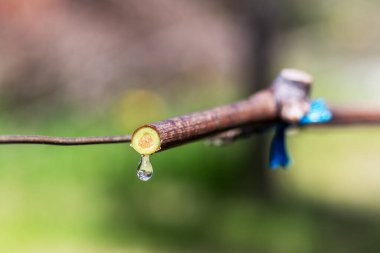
[(145, 169)]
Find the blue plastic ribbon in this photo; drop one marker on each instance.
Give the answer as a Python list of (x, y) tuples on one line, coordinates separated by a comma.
[(318, 113)]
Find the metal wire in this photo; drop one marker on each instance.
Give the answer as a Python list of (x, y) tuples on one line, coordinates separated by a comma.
[(341, 117), (63, 141)]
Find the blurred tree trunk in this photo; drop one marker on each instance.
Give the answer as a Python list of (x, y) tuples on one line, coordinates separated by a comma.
[(262, 21)]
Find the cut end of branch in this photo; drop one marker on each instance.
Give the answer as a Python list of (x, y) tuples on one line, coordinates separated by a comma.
[(296, 75), (146, 140)]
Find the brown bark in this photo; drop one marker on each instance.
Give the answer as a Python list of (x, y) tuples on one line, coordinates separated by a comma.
[(352, 115), (179, 130), (263, 107)]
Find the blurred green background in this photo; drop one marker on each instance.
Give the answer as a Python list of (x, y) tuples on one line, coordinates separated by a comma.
[(82, 68)]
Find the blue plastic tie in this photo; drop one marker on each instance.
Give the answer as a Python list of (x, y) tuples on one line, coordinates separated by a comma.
[(318, 113)]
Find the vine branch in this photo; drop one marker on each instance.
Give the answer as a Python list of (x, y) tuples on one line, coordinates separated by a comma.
[(286, 100)]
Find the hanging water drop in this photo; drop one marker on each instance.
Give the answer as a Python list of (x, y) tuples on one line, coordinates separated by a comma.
[(145, 169)]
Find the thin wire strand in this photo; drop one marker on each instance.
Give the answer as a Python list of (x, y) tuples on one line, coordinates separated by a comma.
[(341, 116), (63, 141)]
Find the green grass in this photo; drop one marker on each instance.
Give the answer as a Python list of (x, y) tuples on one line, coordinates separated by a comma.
[(88, 199)]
